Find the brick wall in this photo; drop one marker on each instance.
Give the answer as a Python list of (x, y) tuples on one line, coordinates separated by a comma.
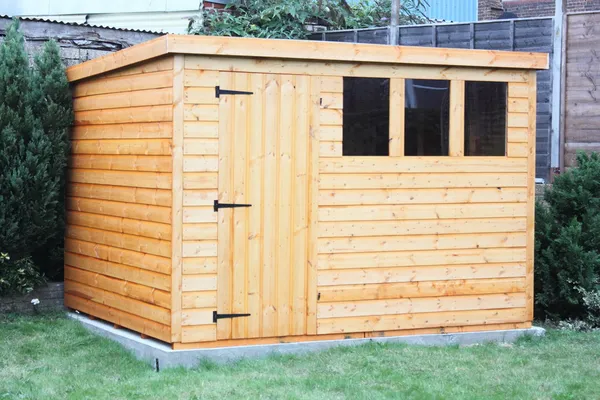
[(489, 9), (50, 297), (531, 8)]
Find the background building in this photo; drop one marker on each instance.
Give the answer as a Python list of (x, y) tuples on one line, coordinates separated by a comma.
[(169, 16)]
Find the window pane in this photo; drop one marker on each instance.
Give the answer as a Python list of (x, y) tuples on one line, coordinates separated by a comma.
[(485, 118), (366, 117), (426, 117)]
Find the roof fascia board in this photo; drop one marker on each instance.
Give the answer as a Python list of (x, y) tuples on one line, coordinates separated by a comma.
[(307, 50)]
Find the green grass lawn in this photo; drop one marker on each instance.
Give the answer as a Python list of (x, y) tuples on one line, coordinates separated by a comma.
[(52, 357)]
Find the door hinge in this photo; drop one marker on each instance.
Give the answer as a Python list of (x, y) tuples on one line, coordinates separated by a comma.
[(217, 316), (218, 205), (219, 92)]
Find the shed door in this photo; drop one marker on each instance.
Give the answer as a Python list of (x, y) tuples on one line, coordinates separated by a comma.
[(263, 161)]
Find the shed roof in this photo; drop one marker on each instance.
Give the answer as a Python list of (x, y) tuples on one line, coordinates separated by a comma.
[(306, 50)]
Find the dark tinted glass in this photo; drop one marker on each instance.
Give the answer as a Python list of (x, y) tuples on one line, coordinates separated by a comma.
[(485, 118), (426, 117), (366, 116)]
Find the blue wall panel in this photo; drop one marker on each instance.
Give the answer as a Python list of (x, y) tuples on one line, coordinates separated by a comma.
[(452, 10)]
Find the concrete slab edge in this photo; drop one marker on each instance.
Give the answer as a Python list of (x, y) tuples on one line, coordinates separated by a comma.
[(161, 355)]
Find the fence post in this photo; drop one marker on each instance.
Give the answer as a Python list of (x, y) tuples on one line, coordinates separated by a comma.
[(557, 87), (471, 35)]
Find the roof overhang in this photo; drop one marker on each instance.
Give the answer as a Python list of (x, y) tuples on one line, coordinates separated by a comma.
[(306, 50)]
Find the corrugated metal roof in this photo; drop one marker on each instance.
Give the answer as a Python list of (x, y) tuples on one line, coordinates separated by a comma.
[(163, 22), (71, 21)]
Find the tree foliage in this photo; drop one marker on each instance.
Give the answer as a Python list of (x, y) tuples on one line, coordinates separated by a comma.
[(35, 113), (288, 19), (567, 248)]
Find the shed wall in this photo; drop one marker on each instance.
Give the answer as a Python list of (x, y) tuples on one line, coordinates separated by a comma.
[(421, 242), (119, 199), (403, 242), (535, 34), (200, 189)]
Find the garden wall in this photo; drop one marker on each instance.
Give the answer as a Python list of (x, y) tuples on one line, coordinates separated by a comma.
[(78, 43), (50, 297)]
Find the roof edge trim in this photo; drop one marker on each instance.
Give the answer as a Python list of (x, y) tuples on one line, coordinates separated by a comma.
[(122, 58), (307, 50)]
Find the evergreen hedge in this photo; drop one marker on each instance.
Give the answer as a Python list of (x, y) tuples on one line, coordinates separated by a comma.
[(35, 114), (567, 246)]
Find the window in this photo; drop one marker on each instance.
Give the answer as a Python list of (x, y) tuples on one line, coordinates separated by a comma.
[(427, 112), (485, 118), (366, 117)]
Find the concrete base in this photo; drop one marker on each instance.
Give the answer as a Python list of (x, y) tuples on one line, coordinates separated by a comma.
[(160, 355)]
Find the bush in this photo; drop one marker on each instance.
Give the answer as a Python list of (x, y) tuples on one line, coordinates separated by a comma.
[(18, 277), (35, 113), (567, 247), (288, 19)]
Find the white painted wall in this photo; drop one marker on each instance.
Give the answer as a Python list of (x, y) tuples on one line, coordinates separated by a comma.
[(62, 7)]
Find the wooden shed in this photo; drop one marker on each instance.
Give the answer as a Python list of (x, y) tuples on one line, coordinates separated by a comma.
[(227, 191)]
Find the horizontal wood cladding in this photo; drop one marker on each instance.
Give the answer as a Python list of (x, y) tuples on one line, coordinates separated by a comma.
[(198, 129), (409, 290), (131, 290), (125, 115), (137, 195), (135, 98), (200, 299), (119, 271), (199, 231), (376, 259), (338, 197), (402, 180), (362, 308), (120, 240), (142, 212), (344, 68), (164, 63), (143, 130), (116, 255), (142, 147), (154, 230), (355, 276), (121, 318), (331, 116), (200, 180), (421, 242), (200, 265), (421, 320), (200, 333), (421, 211), (150, 180), (122, 162), (124, 84), (333, 229), (340, 336), (427, 165), (119, 198), (117, 301)]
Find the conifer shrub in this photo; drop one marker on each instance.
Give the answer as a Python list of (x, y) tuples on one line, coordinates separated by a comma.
[(567, 246), (35, 113)]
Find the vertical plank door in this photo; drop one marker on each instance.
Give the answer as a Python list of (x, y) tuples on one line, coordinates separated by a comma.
[(264, 161)]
